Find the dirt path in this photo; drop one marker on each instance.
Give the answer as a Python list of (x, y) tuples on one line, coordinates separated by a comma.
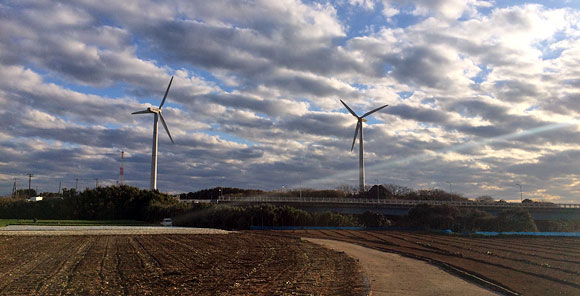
[(392, 274)]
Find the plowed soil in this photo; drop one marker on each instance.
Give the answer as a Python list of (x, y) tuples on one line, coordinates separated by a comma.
[(519, 265), (232, 264)]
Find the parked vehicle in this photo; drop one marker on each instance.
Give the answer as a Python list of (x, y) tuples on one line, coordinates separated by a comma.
[(35, 198), (167, 222)]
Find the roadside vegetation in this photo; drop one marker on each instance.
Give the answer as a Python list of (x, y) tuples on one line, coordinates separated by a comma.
[(102, 203), (386, 191), (124, 205), (468, 220)]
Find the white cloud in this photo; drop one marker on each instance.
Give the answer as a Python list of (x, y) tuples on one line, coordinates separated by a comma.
[(475, 94), (365, 4)]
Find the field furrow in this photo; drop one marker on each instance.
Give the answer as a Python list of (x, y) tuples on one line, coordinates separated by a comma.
[(234, 264), (526, 277)]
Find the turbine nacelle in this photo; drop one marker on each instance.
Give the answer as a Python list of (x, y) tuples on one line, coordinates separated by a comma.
[(361, 119), (154, 110), (157, 110)]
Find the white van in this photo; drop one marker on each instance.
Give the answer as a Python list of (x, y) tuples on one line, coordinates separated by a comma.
[(167, 222)]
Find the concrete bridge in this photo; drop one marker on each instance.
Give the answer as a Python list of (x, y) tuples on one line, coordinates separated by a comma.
[(390, 207)]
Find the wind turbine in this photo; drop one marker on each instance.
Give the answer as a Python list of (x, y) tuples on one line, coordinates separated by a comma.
[(357, 131), (157, 113)]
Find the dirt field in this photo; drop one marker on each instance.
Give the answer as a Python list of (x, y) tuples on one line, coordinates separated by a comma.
[(528, 266), (269, 263), (176, 264)]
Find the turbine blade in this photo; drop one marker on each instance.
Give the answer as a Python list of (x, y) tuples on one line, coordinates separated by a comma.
[(349, 110), (141, 112), (371, 112), (355, 135), (165, 126), (166, 92)]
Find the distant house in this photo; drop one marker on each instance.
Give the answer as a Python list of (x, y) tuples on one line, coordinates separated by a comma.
[(35, 198)]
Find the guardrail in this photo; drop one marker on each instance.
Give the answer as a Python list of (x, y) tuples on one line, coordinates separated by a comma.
[(394, 202)]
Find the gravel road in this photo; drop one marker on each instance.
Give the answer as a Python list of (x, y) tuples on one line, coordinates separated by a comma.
[(392, 274)]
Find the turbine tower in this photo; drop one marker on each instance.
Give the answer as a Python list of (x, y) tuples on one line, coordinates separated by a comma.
[(359, 132), (157, 115)]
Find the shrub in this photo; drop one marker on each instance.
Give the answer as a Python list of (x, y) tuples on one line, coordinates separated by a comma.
[(102, 203), (433, 217), (232, 217), (515, 220), (374, 219)]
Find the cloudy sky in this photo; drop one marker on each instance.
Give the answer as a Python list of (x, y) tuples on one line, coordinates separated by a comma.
[(482, 94)]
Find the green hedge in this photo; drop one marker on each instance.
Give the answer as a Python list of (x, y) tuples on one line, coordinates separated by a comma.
[(470, 220), (233, 217), (103, 203)]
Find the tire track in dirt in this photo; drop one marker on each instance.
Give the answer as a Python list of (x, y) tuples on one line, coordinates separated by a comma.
[(522, 248), (533, 283), (123, 282), (10, 258), (502, 245), (107, 270), (245, 259), (27, 277), (530, 270), (101, 265), (52, 283), (306, 259), (240, 264), (558, 264), (263, 290), (549, 242)]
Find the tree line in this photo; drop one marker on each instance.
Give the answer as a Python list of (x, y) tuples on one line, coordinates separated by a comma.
[(386, 191), (443, 217), (131, 203), (102, 203)]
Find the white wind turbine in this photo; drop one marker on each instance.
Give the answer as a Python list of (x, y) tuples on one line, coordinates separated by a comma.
[(359, 129), (157, 113)]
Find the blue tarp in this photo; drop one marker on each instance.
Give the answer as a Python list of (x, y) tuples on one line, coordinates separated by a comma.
[(492, 233)]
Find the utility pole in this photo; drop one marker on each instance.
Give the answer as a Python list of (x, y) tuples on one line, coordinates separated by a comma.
[(121, 169), (14, 188), (59, 186), (450, 187), (378, 190), (301, 161), (29, 181), (521, 193), (97, 183), (77, 184)]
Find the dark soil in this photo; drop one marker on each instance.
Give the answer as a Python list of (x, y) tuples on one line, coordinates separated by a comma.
[(233, 264), (528, 266)]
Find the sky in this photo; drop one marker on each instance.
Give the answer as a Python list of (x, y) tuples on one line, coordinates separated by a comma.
[(482, 95)]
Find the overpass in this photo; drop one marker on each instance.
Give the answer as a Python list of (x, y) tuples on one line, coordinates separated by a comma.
[(393, 207)]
